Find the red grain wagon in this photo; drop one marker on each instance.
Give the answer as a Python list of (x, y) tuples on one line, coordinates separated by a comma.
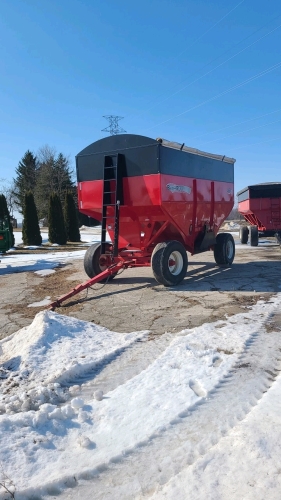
[(157, 200), (260, 205)]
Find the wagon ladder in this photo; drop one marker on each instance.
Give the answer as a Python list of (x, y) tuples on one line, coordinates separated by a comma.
[(112, 198)]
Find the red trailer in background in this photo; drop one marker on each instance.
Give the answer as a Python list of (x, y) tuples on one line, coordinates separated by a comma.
[(260, 205), (157, 200)]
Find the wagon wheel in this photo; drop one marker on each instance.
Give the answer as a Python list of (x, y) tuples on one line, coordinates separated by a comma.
[(244, 234), (91, 261), (169, 263), (278, 237), (224, 250), (254, 236)]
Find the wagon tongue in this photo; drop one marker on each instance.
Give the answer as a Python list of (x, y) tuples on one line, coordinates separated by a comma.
[(83, 286)]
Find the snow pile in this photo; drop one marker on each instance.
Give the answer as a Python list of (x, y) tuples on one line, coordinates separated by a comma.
[(244, 464), (49, 433), (53, 349)]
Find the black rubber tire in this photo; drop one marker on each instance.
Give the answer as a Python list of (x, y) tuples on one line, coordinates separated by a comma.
[(254, 236), (165, 273), (278, 237), (91, 262), (244, 234), (224, 250)]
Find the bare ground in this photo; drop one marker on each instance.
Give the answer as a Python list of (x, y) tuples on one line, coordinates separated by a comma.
[(135, 301)]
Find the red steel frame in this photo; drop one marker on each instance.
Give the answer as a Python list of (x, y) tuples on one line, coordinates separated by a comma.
[(265, 213), (153, 213)]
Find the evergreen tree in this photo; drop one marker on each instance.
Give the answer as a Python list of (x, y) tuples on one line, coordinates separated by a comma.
[(25, 178), (44, 185), (30, 231), (57, 232), (4, 212), (71, 219), (62, 176), (54, 176)]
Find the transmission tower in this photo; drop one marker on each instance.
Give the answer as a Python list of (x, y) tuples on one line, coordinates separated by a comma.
[(113, 127)]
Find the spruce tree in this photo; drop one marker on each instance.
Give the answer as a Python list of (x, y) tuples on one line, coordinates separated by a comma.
[(62, 176), (54, 176), (25, 178), (44, 185), (71, 219), (57, 232), (30, 231), (4, 212)]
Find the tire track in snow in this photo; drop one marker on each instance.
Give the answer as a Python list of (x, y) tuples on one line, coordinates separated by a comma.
[(120, 368), (153, 462)]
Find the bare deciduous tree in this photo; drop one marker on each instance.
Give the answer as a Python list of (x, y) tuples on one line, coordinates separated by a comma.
[(7, 188)]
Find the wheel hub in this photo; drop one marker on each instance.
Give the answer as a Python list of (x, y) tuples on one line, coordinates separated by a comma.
[(175, 263)]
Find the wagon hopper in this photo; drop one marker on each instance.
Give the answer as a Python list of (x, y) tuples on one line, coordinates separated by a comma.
[(260, 205), (157, 200)]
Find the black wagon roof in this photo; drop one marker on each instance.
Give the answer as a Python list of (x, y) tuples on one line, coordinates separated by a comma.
[(126, 141), (139, 155), (259, 187), (263, 190)]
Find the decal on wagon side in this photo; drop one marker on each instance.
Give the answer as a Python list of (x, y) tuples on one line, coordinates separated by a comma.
[(176, 188)]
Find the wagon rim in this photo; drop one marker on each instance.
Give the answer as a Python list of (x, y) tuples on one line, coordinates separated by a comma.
[(175, 263), (229, 249)]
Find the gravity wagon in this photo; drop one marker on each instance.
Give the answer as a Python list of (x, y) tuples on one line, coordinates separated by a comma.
[(260, 206), (157, 200)]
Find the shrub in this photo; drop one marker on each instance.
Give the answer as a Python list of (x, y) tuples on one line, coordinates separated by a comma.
[(4, 212), (71, 219), (57, 232), (30, 231)]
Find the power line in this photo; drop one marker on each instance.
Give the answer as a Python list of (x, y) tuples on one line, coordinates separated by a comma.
[(233, 46), (236, 124), (260, 142), (209, 29), (211, 60), (113, 127), (243, 131), (211, 70), (255, 77)]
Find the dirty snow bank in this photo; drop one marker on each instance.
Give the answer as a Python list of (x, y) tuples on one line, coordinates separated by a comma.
[(53, 349), (47, 437)]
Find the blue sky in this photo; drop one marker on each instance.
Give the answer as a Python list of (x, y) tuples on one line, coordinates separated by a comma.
[(168, 67)]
